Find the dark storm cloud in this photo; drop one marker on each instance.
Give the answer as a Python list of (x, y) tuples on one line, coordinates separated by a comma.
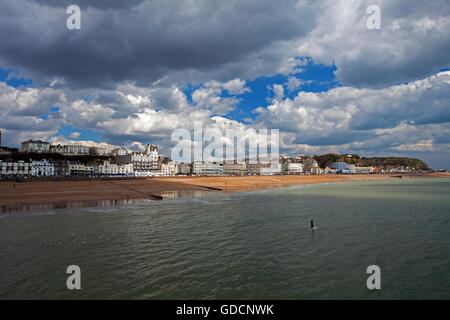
[(148, 42), (103, 4)]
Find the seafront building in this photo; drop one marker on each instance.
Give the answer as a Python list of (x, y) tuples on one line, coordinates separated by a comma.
[(364, 170), (79, 169), (339, 165), (270, 169), (38, 146), (120, 152), (144, 163), (124, 162), (316, 170), (107, 169), (207, 169), (35, 146), (169, 169), (233, 169), (19, 168), (184, 169), (42, 168), (99, 151), (310, 165), (292, 168), (76, 150), (343, 167)]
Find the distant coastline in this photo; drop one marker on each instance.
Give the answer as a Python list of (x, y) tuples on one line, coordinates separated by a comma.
[(27, 196)]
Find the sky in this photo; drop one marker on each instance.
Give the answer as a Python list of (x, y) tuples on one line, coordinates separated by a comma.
[(137, 70)]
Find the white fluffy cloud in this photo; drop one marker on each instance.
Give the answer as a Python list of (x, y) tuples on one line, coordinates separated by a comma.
[(210, 96), (346, 115), (413, 41)]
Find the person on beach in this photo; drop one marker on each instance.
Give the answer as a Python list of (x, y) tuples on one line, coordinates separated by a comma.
[(312, 224)]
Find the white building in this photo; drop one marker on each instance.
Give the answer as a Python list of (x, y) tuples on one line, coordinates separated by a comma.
[(292, 168), (169, 169), (120, 152), (344, 167), (76, 150), (329, 171), (184, 169), (70, 150), (99, 151), (144, 163), (42, 168), (339, 165), (365, 170), (317, 170), (19, 168), (351, 168), (78, 169), (272, 169), (233, 169), (36, 146), (108, 168), (59, 149), (206, 169), (125, 168)]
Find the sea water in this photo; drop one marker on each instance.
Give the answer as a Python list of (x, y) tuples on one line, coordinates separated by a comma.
[(252, 245)]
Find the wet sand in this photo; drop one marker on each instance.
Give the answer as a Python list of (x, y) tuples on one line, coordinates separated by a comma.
[(62, 193)]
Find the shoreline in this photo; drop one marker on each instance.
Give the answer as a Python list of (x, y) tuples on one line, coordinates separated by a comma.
[(48, 195)]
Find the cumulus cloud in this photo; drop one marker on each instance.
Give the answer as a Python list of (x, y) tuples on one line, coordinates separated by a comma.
[(346, 115), (210, 96), (28, 101), (75, 135), (412, 43)]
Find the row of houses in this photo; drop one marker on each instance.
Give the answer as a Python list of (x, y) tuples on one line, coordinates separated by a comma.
[(38, 146), (237, 168), (47, 168), (44, 167), (345, 168), (148, 163), (139, 165)]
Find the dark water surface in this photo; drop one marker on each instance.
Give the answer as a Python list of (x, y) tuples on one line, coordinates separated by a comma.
[(241, 246)]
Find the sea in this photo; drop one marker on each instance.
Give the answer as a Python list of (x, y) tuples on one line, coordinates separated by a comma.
[(249, 245)]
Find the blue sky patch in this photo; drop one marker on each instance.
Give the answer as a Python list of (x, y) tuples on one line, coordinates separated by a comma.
[(66, 131), (5, 76), (313, 78)]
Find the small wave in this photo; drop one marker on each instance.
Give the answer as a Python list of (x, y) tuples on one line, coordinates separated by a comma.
[(103, 210), (43, 213)]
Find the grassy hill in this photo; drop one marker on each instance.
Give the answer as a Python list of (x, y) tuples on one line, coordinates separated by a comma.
[(385, 162)]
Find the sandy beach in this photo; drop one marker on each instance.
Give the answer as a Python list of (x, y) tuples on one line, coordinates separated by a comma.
[(63, 192)]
